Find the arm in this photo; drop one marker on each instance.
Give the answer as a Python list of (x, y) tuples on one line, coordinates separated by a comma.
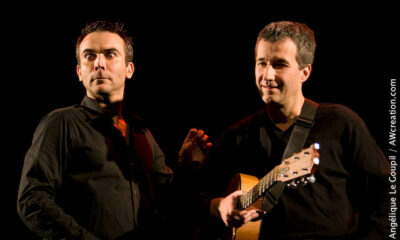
[(214, 179), (370, 178), (162, 172), (40, 179)]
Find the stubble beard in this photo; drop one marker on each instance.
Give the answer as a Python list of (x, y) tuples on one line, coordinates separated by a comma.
[(103, 95)]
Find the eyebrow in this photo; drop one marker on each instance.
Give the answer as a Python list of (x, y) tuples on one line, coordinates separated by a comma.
[(107, 50), (276, 59), (280, 60)]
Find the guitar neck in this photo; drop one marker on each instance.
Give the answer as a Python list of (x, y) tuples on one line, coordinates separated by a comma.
[(298, 165), (259, 189)]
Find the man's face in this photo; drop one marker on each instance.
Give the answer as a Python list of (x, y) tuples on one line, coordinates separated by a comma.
[(102, 67), (278, 77)]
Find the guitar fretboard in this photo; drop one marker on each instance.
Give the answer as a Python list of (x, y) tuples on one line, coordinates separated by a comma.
[(300, 164), (259, 189)]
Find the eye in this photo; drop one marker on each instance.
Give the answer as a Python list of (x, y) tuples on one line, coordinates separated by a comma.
[(89, 56), (279, 65), (261, 64), (110, 54)]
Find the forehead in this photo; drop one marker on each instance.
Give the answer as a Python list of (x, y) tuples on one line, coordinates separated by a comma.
[(102, 40), (286, 49)]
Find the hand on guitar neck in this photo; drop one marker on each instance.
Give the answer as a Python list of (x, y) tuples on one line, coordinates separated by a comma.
[(230, 215), (242, 206)]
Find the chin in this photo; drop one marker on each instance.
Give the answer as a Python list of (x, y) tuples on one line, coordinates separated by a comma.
[(270, 99), (104, 93), (266, 100)]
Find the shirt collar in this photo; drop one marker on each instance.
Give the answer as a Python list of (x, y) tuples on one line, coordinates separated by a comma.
[(93, 111), (94, 108)]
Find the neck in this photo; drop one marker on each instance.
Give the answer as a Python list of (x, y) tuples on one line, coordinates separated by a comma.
[(113, 108), (110, 104), (285, 115)]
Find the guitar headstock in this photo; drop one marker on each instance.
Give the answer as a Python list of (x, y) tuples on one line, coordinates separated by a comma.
[(300, 167)]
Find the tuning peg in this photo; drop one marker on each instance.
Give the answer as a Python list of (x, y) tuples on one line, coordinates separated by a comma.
[(311, 179), (316, 161), (302, 181), (316, 146), (292, 185)]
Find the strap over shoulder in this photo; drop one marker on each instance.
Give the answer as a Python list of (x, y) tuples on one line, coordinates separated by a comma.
[(303, 124)]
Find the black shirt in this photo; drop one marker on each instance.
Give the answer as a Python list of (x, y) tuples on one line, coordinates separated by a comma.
[(81, 179), (350, 195)]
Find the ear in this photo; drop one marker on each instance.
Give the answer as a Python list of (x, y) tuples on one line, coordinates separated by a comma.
[(78, 72), (305, 72), (130, 69)]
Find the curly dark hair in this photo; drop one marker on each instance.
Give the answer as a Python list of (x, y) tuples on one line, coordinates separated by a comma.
[(299, 33), (105, 26)]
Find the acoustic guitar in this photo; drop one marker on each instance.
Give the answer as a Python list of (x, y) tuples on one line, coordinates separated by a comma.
[(296, 170)]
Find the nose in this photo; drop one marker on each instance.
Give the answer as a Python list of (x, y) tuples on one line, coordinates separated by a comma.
[(99, 63), (269, 73)]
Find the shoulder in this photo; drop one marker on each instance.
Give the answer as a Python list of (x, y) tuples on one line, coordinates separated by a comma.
[(339, 118), (54, 123), (67, 111), (253, 121), (62, 116), (338, 112), (62, 113)]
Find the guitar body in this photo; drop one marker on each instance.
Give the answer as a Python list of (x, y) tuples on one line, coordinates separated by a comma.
[(295, 169), (250, 230)]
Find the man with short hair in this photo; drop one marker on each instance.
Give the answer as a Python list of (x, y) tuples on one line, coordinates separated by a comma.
[(349, 199), (93, 169)]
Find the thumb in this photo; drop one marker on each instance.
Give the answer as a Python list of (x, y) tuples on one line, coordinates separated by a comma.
[(237, 194), (183, 150), (186, 146)]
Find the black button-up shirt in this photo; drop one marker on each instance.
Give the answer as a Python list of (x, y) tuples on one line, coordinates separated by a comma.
[(81, 178)]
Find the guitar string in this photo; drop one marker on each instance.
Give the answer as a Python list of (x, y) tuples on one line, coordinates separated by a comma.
[(253, 194), (260, 188)]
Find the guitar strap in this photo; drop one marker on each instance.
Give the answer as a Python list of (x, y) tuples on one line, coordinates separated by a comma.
[(296, 142)]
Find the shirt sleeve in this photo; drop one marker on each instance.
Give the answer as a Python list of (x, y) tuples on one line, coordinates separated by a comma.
[(162, 172), (41, 176), (370, 174)]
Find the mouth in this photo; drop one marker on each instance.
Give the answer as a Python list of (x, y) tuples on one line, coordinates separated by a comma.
[(100, 79), (268, 86)]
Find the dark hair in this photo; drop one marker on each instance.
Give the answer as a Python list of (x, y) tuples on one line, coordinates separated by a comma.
[(105, 26), (299, 33)]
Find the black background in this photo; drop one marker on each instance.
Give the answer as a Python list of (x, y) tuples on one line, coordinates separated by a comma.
[(194, 68)]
